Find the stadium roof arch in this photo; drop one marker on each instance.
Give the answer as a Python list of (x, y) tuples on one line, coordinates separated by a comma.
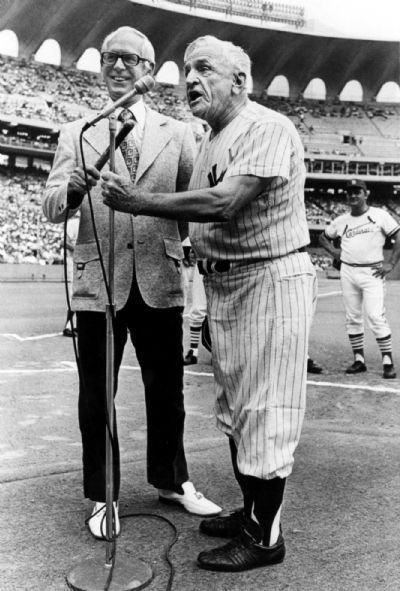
[(79, 24)]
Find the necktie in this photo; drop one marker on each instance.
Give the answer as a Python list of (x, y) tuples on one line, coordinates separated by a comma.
[(128, 146)]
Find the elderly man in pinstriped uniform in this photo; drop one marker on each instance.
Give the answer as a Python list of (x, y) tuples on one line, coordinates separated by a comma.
[(249, 230)]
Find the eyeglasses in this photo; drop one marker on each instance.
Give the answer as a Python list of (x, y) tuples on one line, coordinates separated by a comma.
[(110, 58)]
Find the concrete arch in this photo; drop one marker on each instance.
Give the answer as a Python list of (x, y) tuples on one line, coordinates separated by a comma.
[(9, 44), (168, 73), (279, 86), (352, 91), (315, 89), (89, 60), (49, 52), (389, 93)]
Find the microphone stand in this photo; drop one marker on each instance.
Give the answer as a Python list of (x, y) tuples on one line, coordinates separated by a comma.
[(116, 573), (110, 314)]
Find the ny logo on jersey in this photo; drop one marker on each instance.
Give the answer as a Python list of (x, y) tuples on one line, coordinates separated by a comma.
[(212, 176)]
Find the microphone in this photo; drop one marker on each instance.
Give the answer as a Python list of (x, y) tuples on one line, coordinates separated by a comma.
[(142, 86), (121, 135)]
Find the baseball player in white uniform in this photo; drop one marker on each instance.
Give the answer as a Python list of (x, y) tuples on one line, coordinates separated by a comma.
[(197, 309), (363, 232), (246, 202)]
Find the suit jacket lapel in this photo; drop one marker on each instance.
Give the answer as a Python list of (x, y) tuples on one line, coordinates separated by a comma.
[(156, 136)]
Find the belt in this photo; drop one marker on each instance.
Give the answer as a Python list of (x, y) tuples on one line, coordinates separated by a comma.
[(362, 264), (207, 266)]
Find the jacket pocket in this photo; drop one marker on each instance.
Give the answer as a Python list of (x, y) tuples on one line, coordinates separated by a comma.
[(174, 252), (87, 271)]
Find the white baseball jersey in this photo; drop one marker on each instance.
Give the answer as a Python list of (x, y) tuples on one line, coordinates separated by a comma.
[(363, 236), (362, 241), (258, 142)]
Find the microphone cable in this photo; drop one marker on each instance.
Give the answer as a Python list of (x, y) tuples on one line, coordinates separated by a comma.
[(113, 539)]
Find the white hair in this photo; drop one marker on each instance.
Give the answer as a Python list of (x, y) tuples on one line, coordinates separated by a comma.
[(146, 49), (236, 56)]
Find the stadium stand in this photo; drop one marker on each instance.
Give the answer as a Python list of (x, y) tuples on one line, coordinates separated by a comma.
[(58, 94), (26, 237), (340, 138), (55, 94), (343, 128)]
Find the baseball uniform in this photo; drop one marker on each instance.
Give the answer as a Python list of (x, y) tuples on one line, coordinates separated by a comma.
[(260, 286), (362, 241)]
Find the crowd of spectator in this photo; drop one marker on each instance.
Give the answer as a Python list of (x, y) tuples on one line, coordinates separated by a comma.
[(56, 94), (320, 109), (52, 94), (321, 261), (25, 235)]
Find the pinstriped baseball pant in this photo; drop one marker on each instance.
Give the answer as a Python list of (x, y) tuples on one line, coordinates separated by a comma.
[(260, 318)]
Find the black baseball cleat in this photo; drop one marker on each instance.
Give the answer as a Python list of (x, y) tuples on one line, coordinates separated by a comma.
[(389, 372), (356, 367), (313, 367), (189, 358), (227, 525), (242, 553)]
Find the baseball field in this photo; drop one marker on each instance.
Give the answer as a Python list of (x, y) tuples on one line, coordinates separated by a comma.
[(342, 507)]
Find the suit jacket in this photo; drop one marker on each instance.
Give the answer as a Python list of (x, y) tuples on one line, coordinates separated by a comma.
[(149, 246)]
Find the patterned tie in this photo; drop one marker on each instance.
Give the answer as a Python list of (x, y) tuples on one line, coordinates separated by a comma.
[(128, 146)]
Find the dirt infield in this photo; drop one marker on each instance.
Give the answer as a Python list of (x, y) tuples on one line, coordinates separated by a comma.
[(342, 506)]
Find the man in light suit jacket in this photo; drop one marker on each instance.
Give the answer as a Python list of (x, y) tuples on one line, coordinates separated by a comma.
[(158, 156)]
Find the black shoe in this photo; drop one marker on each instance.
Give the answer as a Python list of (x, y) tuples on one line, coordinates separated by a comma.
[(242, 553), (357, 367), (190, 359), (67, 332), (313, 367), (227, 525), (388, 371)]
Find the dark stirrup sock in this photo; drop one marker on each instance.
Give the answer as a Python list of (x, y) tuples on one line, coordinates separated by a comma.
[(267, 497), (385, 347), (357, 345), (241, 479)]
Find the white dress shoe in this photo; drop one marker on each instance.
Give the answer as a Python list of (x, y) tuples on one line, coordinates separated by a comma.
[(193, 501), (97, 521)]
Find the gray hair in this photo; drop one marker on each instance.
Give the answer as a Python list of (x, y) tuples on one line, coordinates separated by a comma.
[(146, 49), (236, 56)]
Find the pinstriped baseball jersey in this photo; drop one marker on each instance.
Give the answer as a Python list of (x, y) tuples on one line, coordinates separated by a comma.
[(262, 143)]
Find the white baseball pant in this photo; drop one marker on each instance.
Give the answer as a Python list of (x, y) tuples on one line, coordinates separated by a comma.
[(197, 310), (364, 292)]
